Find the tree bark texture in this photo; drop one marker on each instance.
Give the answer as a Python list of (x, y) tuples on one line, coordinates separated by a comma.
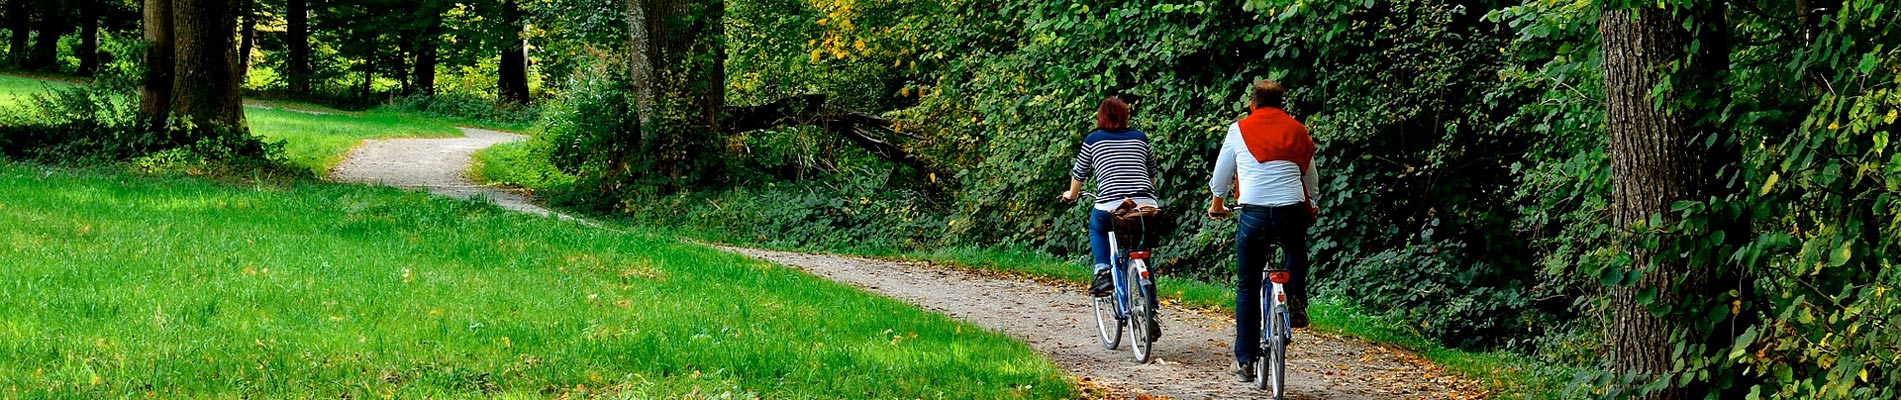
[(155, 96), (1658, 157), (89, 37), (677, 69), (20, 23), (50, 25), (206, 89), (512, 84), (297, 38)]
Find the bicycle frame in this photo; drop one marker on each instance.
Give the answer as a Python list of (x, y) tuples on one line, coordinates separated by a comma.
[(1117, 266)]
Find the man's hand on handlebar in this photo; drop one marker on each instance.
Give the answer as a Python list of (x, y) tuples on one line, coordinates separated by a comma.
[(1217, 210), (1069, 196)]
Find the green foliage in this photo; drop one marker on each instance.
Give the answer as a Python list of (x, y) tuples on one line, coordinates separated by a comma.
[(466, 106), (352, 291), (594, 134)]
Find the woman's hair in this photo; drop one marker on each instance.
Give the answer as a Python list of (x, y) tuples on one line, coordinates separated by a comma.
[(1112, 114)]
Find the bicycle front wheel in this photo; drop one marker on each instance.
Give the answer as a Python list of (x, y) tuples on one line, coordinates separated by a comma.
[(1107, 327), (1141, 311)]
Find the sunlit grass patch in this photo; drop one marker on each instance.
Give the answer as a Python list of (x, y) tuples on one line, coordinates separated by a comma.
[(116, 285)]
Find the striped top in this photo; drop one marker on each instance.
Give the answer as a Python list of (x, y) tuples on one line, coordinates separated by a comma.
[(1122, 164)]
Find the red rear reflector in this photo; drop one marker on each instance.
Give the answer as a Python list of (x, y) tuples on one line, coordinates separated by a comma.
[(1139, 255), (1279, 277)]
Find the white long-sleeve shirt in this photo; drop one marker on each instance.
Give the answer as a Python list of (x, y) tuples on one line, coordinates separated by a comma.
[(1270, 184)]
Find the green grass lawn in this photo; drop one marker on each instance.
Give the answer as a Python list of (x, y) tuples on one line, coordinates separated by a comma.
[(15, 88), (120, 285)]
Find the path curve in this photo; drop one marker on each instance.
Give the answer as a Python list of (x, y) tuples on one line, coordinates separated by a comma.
[(1193, 360), (433, 164)]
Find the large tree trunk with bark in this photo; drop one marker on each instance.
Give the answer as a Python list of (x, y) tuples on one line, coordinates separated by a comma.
[(20, 23), (204, 84), (512, 84), (297, 38), (89, 37), (155, 96), (51, 25), (677, 68), (1659, 157)]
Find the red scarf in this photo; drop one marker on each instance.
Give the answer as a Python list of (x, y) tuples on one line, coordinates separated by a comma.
[(1272, 135)]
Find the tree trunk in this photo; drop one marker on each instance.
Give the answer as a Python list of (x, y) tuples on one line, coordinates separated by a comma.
[(20, 23), (426, 59), (677, 68), (369, 72), (206, 88), (155, 97), (297, 36), (52, 24), (247, 39), (512, 85), (89, 37), (1658, 157)]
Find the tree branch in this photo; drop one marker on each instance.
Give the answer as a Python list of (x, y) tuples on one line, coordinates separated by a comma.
[(867, 131)]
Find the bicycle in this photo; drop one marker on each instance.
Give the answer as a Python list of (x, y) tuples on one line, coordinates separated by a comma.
[(1276, 334), (1130, 272), (1276, 327)]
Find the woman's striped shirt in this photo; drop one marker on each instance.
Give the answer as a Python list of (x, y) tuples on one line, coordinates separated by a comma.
[(1122, 164)]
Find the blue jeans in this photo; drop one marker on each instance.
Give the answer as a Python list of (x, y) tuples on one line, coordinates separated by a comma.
[(1259, 228), (1100, 223)]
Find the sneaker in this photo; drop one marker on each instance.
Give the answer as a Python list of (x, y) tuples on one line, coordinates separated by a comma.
[(1155, 330), (1103, 286), (1244, 372)]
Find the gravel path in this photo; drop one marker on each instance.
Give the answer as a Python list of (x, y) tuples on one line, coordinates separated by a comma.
[(435, 165), (1193, 360)]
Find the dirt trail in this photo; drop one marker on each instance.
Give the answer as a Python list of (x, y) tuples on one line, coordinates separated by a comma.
[(1191, 361), (435, 165)]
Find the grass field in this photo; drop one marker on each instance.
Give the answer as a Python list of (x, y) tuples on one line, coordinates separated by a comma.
[(117, 285), (17, 88)]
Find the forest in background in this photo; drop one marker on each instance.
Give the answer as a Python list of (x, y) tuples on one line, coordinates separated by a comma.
[(1709, 186)]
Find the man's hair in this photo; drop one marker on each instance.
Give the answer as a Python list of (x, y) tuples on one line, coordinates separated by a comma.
[(1112, 114), (1267, 93)]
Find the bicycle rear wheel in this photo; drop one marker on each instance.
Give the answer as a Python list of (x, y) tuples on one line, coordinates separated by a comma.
[(1141, 311), (1271, 373), (1107, 327)]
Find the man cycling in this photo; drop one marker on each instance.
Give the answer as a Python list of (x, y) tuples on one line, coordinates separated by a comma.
[(1270, 156)]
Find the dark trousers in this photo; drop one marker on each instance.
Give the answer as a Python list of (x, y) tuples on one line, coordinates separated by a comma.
[(1258, 229)]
